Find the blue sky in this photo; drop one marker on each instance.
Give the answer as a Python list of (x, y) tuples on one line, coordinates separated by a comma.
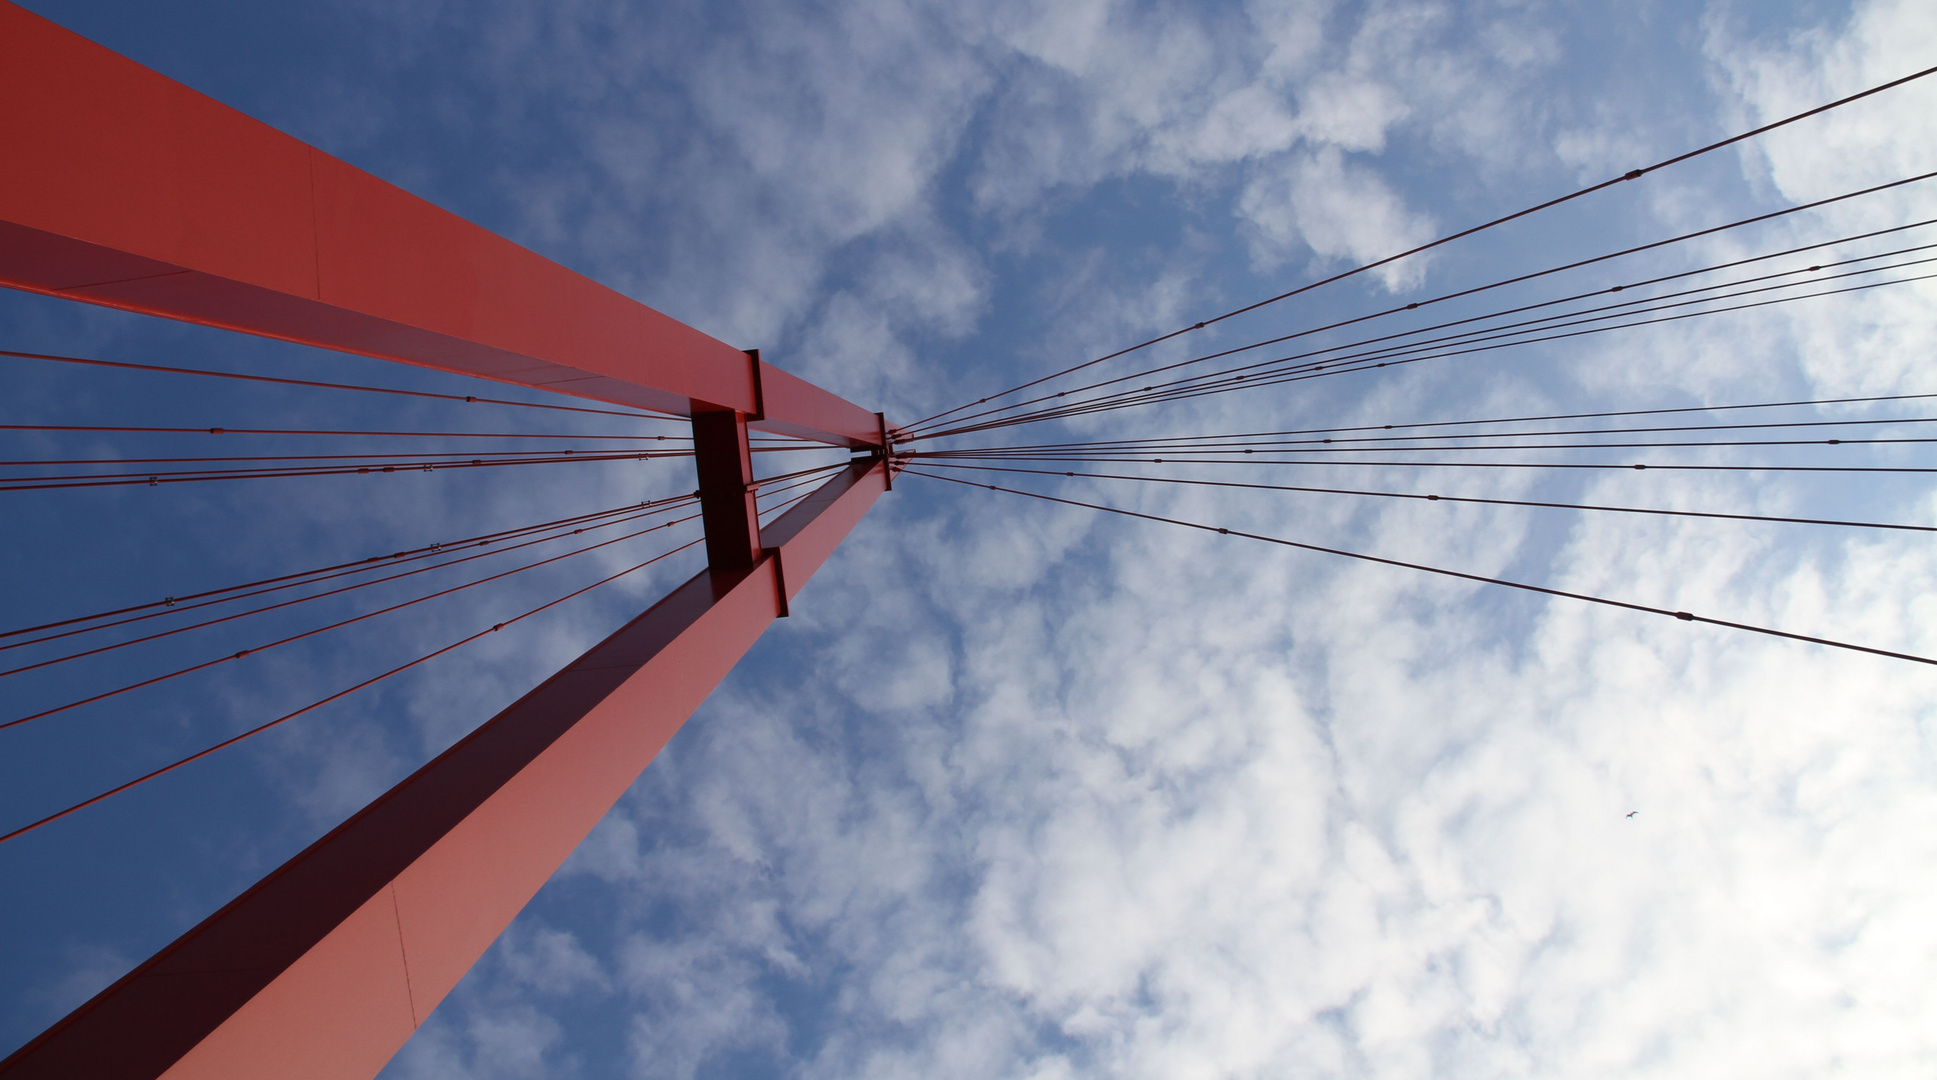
[(1020, 790)]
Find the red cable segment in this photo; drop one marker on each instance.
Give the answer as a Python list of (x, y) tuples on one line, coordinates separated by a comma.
[(626, 519), (762, 491), (399, 457), (1684, 616), (104, 695), (600, 519), (409, 459), (1443, 498), (963, 424), (373, 434), (764, 488), (191, 601), (468, 398), (375, 467), (1632, 174), (260, 728)]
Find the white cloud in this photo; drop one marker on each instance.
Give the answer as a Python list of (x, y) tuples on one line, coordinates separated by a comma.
[(515, 1042), (551, 961), (1338, 209), (709, 989), (1146, 803), (1068, 796), (1883, 138), (1351, 113), (771, 157), (1190, 855)]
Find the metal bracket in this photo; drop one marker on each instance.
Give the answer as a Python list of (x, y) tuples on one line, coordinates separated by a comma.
[(727, 508), (781, 610), (759, 389)]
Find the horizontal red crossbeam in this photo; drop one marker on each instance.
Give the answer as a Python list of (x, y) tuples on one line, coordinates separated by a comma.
[(325, 968), (124, 188)]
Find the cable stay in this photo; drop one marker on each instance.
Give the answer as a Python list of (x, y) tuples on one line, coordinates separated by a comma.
[(1212, 444), (363, 458), (145, 478), (1632, 174), (1301, 366), (340, 590), (1453, 444), (962, 423), (385, 457), (138, 430), (340, 694), (450, 552), (242, 653), (1398, 358), (1640, 466), (192, 601), (923, 431), (1199, 453), (1683, 616), (310, 383), (1424, 497), (626, 517), (1646, 297), (326, 464), (1252, 435)]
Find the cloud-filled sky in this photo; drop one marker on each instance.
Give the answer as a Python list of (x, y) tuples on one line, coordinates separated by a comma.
[(1022, 789)]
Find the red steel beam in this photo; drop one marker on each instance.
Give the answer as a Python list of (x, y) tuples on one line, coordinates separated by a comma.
[(323, 969), (724, 462), (124, 188)]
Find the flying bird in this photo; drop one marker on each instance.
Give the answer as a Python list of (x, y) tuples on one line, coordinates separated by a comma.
[(1631, 813)]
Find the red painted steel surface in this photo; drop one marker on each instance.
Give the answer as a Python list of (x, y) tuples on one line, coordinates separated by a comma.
[(724, 462), (324, 969), (125, 188), (797, 407), (139, 193), (805, 536)]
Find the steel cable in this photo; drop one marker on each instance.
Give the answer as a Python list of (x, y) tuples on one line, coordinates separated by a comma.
[(311, 707), (1368, 363), (1445, 498), (1648, 609), (467, 398), (919, 431), (1632, 174), (961, 424)]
